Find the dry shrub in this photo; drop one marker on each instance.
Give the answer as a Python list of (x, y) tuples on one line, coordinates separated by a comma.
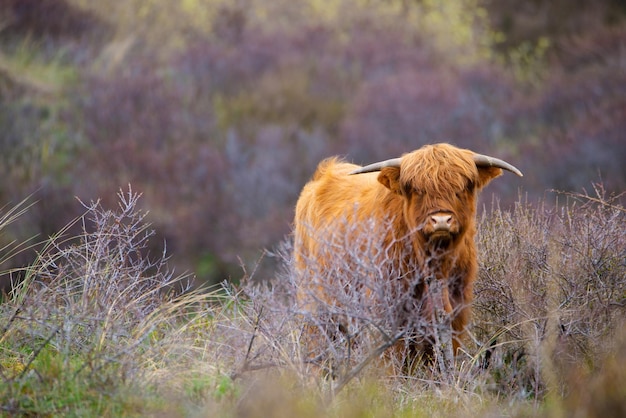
[(92, 299), (550, 296), (551, 292), (353, 321), (549, 305)]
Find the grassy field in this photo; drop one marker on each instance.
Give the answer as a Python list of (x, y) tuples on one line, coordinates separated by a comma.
[(217, 112), (98, 328)]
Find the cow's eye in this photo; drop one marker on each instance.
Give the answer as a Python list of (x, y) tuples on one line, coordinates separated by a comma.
[(461, 193)]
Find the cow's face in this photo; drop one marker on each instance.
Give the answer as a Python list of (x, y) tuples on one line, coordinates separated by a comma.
[(438, 185)]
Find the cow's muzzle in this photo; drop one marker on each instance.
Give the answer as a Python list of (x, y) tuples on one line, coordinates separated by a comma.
[(440, 228), (441, 222)]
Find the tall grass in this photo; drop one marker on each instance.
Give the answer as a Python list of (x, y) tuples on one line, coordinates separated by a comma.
[(99, 326), (76, 323)]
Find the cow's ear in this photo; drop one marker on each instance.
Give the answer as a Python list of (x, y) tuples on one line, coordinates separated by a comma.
[(486, 174), (390, 178)]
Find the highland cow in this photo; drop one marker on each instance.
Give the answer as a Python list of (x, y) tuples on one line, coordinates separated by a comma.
[(421, 209)]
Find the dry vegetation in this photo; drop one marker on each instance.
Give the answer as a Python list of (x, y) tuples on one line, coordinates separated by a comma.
[(204, 106), (97, 328)]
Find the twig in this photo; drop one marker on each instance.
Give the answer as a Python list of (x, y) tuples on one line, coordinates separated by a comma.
[(359, 367), (246, 362), (36, 353)]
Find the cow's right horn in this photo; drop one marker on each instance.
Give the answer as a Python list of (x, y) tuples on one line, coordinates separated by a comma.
[(394, 162)]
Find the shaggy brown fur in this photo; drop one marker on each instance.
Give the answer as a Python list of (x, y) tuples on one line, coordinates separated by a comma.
[(434, 180)]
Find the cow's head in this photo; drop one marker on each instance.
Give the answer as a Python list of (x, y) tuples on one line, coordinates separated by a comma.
[(438, 184)]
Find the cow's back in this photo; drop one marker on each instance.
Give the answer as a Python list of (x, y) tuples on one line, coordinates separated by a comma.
[(332, 200)]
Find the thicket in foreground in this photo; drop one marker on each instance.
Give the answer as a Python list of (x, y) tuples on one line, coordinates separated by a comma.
[(96, 328), (551, 296), (548, 312), (80, 319)]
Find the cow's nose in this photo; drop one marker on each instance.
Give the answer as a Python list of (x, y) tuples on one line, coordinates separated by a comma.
[(441, 222)]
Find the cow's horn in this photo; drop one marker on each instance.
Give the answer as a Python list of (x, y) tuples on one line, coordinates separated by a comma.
[(486, 161), (394, 162)]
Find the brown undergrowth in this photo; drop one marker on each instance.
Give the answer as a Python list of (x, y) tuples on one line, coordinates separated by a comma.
[(97, 328)]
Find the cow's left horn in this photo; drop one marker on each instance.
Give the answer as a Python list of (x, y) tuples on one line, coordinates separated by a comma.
[(394, 162), (486, 161)]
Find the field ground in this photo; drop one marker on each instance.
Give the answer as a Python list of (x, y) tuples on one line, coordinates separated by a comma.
[(95, 329)]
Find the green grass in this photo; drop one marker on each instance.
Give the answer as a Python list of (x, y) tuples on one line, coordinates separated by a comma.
[(27, 68)]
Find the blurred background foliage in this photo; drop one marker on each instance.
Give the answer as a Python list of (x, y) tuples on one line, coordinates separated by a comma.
[(219, 110)]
